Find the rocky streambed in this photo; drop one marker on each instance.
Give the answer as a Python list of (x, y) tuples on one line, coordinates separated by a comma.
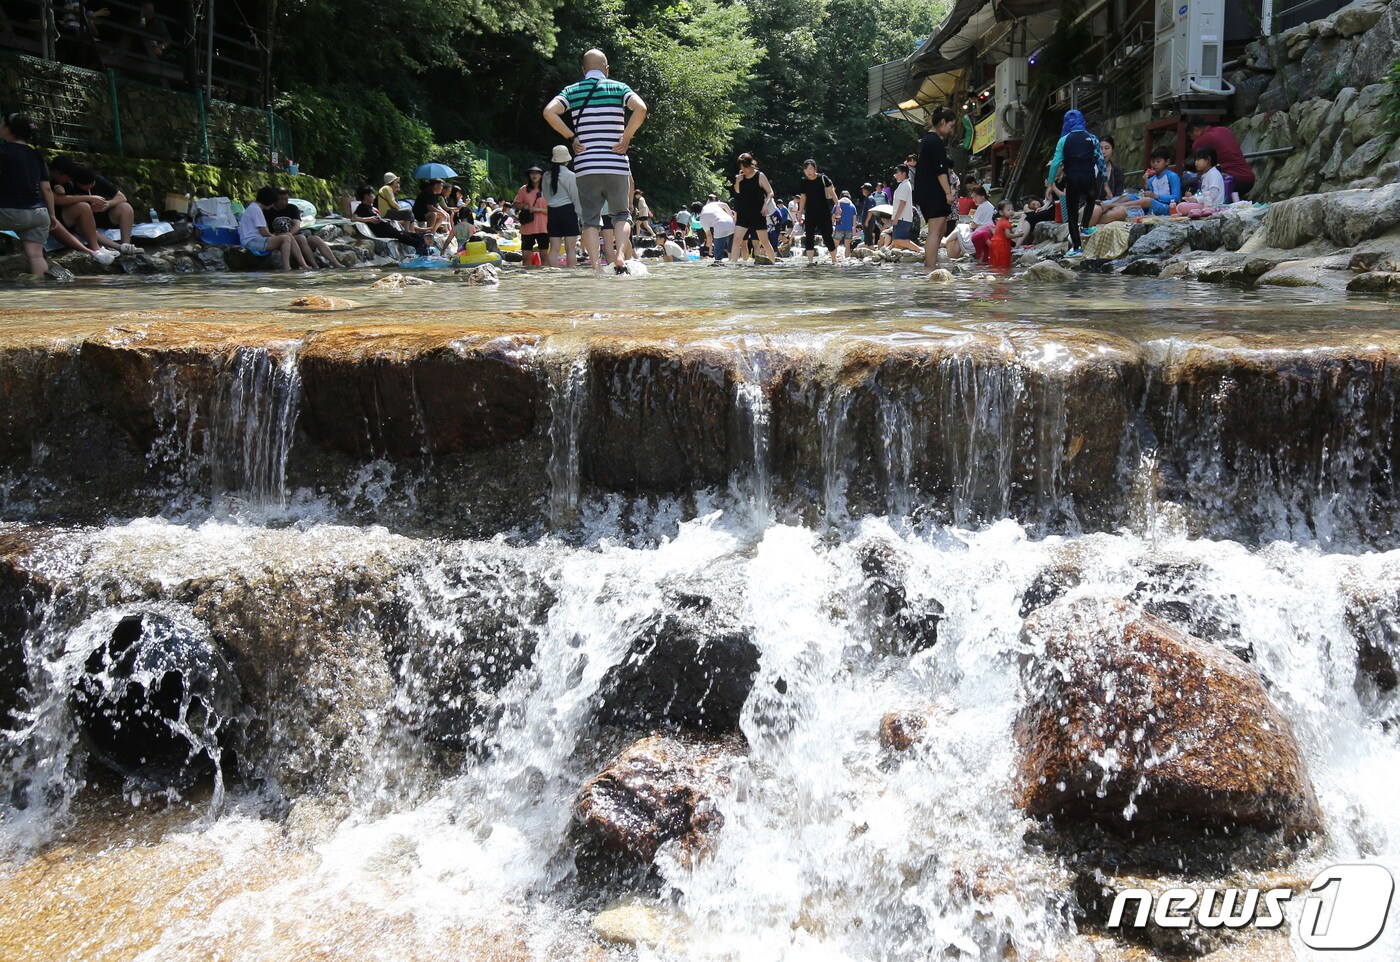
[(590, 635)]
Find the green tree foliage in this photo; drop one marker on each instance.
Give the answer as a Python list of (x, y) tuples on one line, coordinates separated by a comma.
[(810, 95), (370, 87)]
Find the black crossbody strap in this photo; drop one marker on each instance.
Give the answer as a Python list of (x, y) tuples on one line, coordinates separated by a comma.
[(578, 114)]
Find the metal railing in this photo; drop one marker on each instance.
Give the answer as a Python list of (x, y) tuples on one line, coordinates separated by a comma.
[(103, 112), (224, 54)]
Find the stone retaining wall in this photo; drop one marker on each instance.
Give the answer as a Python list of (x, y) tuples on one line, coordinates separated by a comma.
[(1319, 89)]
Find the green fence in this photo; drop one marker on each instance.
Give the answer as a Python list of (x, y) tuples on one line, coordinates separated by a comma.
[(498, 166), (87, 110)]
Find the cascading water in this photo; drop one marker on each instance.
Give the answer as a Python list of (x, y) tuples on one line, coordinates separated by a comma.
[(232, 445), (567, 401), (826, 599), (252, 425)]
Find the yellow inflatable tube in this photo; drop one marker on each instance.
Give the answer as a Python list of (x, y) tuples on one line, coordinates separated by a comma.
[(475, 253)]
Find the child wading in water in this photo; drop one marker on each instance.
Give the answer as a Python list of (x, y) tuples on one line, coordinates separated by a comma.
[(999, 247)]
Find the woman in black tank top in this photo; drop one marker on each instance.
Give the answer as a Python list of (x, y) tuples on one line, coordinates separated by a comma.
[(752, 192)]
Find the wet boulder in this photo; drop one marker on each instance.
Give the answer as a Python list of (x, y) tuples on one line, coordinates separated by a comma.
[(904, 620), (157, 698), (902, 730), (1185, 595), (1048, 273), (659, 790), (1373, 620), (691, 665), (1049, 585), (22, 590), (459, 630), (1130, 721)]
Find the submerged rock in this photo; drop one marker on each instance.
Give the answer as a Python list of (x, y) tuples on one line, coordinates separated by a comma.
[(397, 282), (1129, 721), (940, 276), (157, 699), (321, 302), (1049, 585), (1048, 273), (638, 924), (661, 789), (902, 730), (22, 590)]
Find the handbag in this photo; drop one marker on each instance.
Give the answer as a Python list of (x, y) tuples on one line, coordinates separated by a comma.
[(528, 214)]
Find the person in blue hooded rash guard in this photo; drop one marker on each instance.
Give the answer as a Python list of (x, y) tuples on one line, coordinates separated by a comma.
[(1079, 153)]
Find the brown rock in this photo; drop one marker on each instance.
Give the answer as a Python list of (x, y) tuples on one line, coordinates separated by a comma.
[(1131, 721), (321, 302), (409, 390), (902, 730), (657, 790), (1375, 282), (660, 414)]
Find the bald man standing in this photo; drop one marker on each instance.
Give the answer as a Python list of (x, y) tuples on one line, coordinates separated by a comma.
[(600, 131)]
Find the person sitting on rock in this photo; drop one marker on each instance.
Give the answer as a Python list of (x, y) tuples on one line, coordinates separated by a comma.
[(366, 213), (1163, 188), (1229, 157), (961, 241), (1037, 210), (89, 204), (257, 237), (284, 217), (1210, 188)]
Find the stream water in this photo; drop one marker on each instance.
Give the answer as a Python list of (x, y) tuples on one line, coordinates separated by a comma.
[(429, 705)]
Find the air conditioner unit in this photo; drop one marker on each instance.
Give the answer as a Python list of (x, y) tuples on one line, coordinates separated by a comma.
[(1186, 55), (1010, 91)]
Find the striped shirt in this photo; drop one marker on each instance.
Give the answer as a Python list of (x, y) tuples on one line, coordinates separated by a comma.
[(602, 124)]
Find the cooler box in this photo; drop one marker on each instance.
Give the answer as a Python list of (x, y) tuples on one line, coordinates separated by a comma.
[(222, 236)]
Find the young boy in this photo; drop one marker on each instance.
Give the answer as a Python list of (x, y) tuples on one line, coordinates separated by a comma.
[(1210, 190), (254, 234), (843, 219), (1163, 189)]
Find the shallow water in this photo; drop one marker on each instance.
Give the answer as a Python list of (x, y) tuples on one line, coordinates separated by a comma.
[(787, 299)]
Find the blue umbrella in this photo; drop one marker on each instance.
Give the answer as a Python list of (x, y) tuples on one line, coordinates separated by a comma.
[(429, 171)]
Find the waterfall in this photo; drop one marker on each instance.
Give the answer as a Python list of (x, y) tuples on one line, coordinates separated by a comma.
[(232, 442), (754, 412), (252, 423), (568, 399)]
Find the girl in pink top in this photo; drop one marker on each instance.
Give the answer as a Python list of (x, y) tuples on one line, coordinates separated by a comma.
[(534, 229)]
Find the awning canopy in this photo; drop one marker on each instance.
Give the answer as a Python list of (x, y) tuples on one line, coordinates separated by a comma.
[(963, 34), (935, 72)]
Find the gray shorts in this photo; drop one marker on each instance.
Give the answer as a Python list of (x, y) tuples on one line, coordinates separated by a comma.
[(30, 225), (595, 190)]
